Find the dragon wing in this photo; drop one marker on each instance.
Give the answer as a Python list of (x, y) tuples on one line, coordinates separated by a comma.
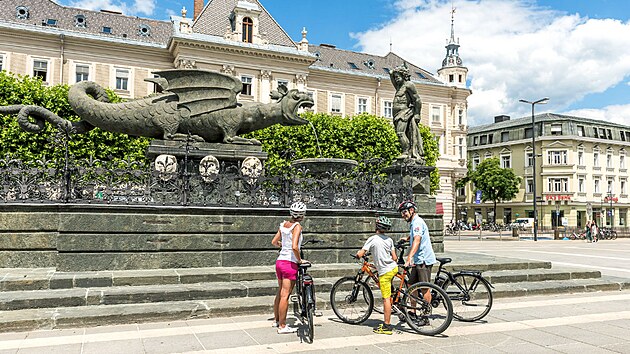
[(202, 91)]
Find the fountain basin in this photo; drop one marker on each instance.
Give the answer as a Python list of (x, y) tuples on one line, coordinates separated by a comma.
[(319, 165)]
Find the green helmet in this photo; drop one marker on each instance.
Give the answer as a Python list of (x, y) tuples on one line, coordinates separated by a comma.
[(383, 223)]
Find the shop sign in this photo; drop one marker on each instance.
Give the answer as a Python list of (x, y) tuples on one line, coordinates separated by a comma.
[(558, 197)]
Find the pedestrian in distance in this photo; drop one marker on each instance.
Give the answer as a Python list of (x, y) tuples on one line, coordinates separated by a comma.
[(594, 231), (384, 252), (421, 256), (289, 239), (589, 237)]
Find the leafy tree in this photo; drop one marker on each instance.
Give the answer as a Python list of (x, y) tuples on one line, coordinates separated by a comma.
[(16, 143), (369, 139), (494, 182)]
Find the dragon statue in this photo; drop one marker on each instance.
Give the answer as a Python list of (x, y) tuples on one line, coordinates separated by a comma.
[(197, 102)]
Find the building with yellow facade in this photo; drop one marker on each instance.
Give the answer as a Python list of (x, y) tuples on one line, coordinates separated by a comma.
[(237, 37)]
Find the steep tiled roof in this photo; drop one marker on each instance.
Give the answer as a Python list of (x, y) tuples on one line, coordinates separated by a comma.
[(544, 117), (333, 59), (124, 28), (215, 19)]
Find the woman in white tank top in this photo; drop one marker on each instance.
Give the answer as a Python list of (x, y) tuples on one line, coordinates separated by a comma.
[(289, 239)]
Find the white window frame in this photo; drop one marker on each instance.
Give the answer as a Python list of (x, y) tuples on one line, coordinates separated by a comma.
[(363, 107), (3, 61), (580, 158), (622, 186), (248, 80), (388, 109), (557, 157), (90, 71), (129, 77), (436, 115), (622, 160), (460, 117), (529, 158), (609, 158), (596, 183), (49, 68), (283, 81), (556, 128), (313, 94), (581, 184), (557, 185), (340, 96), (529, 185), (596, 158), (476, 160), (461, 147), (610, 185), (506, 158)]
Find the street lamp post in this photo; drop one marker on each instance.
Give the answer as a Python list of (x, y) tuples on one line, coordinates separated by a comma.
[(533, 103)]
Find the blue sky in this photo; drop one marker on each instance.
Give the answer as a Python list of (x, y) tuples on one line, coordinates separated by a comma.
[(576, 52)]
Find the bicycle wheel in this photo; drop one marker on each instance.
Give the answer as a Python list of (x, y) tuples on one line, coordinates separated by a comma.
[(613, 235), (430, 318), (471, 296), (310, 313), (351, 300)]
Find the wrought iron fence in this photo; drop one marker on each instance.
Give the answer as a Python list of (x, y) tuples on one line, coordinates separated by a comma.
[(188, 182)]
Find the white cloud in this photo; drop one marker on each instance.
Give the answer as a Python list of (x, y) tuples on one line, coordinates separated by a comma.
[(145, 7), (614, 113), (513, 50)]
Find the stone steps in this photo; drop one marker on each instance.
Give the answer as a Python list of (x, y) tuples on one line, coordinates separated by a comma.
[(69, 317)]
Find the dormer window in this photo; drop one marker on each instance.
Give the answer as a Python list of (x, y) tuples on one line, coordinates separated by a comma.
[(79, 21), (107, 30), (369, 63), (21, 12), (248, 30), (50, 22), (144, 30)]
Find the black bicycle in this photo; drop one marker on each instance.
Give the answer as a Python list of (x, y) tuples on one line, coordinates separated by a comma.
[(468, 290), (304, 307)]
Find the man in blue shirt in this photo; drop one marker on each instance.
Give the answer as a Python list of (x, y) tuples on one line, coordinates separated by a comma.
[(420, 256)]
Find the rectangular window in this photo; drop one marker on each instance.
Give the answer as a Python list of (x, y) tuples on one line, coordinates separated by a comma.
[(284, 83), (247, 85), (595, 159), (483, 140), (622, 186), (580, 158), (580, 130), (602, 133), (82, 73), (529, 186), (558, 184), (528, 133), (157, 88), (122, 79), (609, 134), (1, 62), (610, 183), (461, 148), (557, 157), (475, 141), (529, 159), (40, 69), (476, 161), (435, 114), (451, 77), (622, 161), (490, 136), (622, 136), (362, 105), (335, 103), (581, 185), (505, 136), (595, 133), (506, 161), (556, 129), (107, 30), (596, 185), (461, 117), (387, 109), (627, 136), (609, 160)]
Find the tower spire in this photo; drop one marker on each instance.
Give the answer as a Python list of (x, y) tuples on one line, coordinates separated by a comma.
[(452, 24), (452, 71)]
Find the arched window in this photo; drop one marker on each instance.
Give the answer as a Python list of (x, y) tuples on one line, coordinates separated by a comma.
[(248, 29)]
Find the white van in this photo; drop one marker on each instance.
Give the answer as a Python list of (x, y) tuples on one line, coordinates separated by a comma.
[(523, 223)]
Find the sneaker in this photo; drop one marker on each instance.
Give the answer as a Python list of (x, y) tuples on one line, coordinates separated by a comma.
[(383, 329), (274, 324), (287, 330)]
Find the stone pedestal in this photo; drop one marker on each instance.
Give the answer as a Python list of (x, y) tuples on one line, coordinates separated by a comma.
[(412, 173), (231, 153)]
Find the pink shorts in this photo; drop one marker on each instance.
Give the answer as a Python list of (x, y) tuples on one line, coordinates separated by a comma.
[(286, 270)]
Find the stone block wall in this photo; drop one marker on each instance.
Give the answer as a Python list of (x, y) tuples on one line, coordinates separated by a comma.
[(107, 237)]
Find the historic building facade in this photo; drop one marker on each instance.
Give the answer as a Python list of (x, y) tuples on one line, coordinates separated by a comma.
[(237, 37), (581, 169)]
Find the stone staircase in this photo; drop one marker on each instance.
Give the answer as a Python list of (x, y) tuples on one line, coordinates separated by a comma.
[(44, 298)]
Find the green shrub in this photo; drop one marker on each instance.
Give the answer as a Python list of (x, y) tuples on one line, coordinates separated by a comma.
[(16, 143)]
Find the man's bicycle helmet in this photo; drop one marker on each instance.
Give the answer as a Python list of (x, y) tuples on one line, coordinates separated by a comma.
[(383, 223), (297, 209), (406, 205)]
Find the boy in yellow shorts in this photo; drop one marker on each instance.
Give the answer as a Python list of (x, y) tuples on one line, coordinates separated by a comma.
[(384, 254)]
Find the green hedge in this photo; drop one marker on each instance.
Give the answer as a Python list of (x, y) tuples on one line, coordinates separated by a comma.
[(16, 143)]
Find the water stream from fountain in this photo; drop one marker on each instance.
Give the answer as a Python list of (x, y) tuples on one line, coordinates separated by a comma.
[(319, 149)]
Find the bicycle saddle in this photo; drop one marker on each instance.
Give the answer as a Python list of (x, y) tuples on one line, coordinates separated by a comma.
[(444, 260), (305, 265)]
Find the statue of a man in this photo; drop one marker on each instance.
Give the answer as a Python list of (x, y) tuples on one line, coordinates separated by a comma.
[(406, 109)]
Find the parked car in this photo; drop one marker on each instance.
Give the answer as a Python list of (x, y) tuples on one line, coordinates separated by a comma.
[(523, 223)]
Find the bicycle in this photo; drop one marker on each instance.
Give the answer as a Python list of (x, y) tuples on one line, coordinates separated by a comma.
[(468, 290), (352, 299), (304, 304)]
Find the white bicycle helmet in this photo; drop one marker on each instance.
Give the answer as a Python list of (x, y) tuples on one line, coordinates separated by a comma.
[(297, 209)]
